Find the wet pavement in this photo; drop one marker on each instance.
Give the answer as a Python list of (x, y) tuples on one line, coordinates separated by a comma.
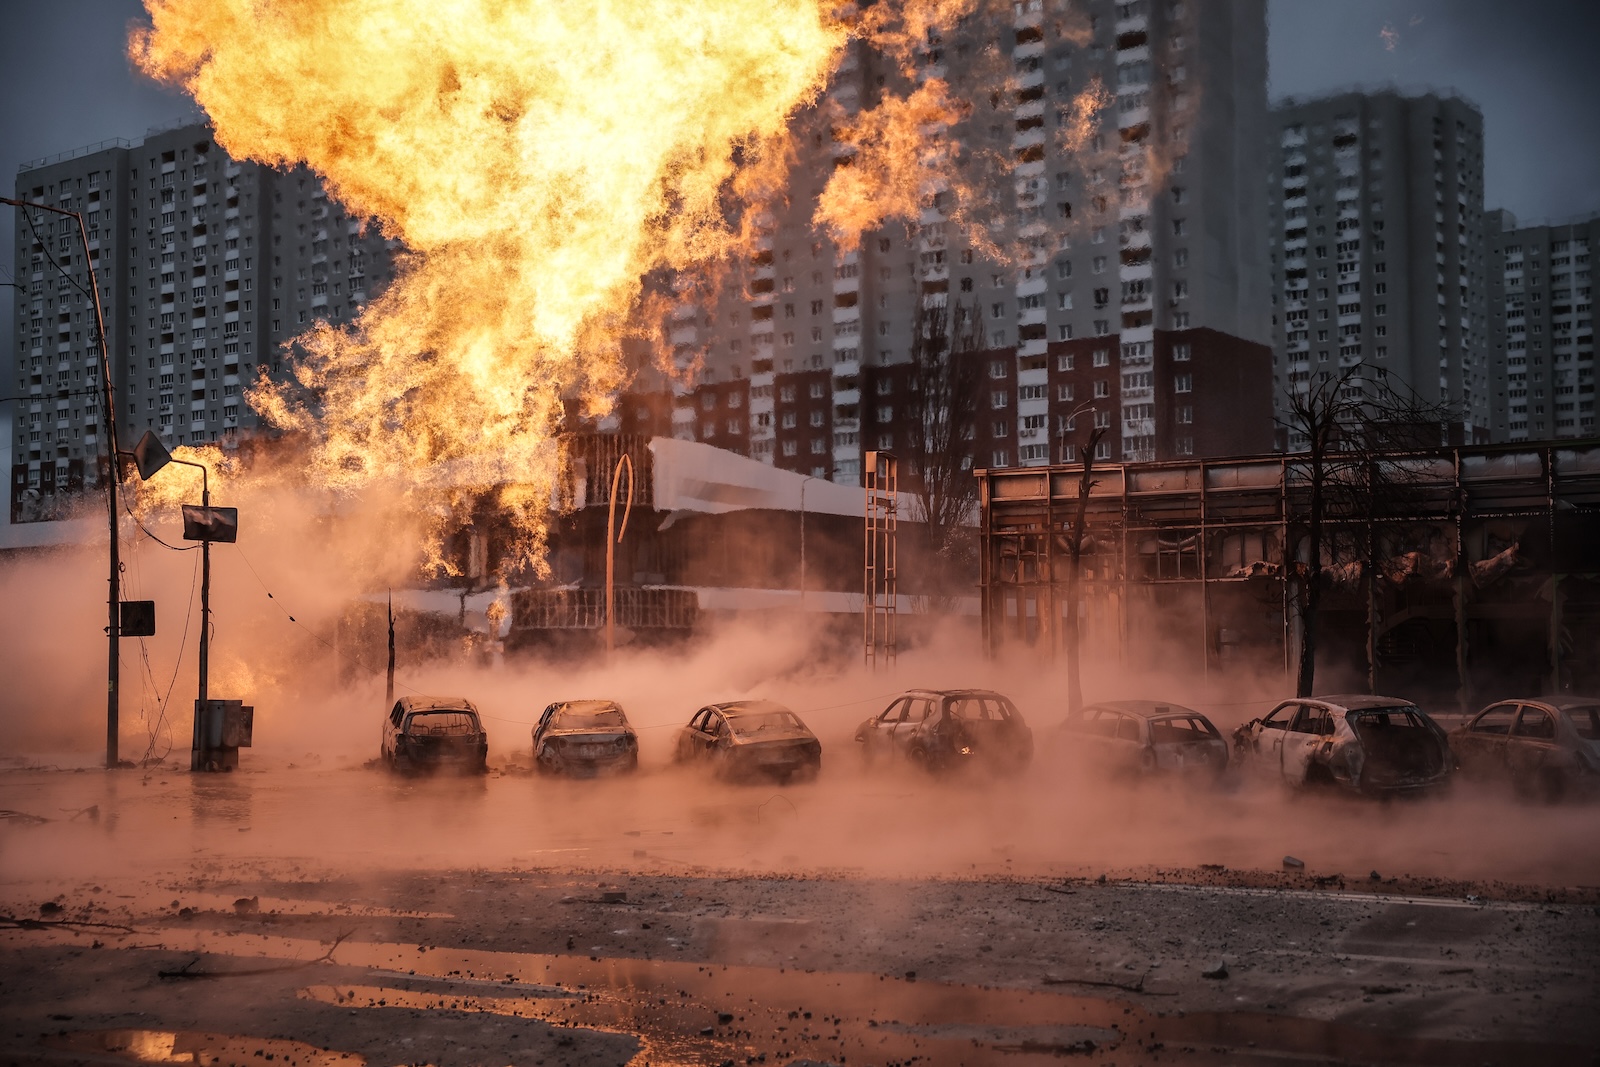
[(347, 916)]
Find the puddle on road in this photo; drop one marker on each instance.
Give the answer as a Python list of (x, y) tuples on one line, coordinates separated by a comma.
[(168, 1046), (688, 1013)]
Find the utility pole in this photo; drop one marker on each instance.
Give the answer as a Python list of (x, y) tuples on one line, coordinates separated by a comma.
[(113, 476), (388, 698)]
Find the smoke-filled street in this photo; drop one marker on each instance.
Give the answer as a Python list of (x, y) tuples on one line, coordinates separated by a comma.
[(862, 533), (861, 918)]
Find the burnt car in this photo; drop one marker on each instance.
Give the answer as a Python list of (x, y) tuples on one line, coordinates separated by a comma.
[(1545, 747), (584, 737), (750, 738), (940, 729), (1373, 745), (424, 732), (1146, 737)]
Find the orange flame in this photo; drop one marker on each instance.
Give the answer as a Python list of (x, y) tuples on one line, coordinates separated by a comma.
[(538, 161)]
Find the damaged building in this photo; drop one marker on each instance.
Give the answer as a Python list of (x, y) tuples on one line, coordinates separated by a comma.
[(1457, 575)]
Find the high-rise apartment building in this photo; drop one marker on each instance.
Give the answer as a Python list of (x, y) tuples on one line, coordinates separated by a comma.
[(1541, 301), (1137, 297), (1378, 249), (206, 267)]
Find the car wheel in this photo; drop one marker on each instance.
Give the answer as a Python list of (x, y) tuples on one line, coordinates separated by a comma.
[(919, 758), (1147, 761)]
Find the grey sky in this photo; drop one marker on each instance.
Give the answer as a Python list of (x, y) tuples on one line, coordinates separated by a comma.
[(1530, 65)]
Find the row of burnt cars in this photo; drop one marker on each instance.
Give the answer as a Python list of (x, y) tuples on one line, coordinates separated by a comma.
[(1367, 744)]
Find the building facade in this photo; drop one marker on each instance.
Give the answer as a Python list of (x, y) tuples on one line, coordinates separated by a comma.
[(206, 267), (1378, 251), (1542, 304), (1137, 297)]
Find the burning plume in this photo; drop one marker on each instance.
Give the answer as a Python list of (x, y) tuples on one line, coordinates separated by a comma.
[(537, 161)]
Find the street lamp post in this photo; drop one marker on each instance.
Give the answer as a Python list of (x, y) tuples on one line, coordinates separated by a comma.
[(612, 540), (150, 455), (113, 476)]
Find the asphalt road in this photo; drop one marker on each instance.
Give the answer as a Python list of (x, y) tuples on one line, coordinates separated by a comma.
[(341, 914)]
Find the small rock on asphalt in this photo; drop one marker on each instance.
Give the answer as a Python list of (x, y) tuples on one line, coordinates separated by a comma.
[(1292, 864), (1219, 971)]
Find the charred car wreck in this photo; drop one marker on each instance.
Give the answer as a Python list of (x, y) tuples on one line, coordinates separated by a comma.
[(943, 729), (425, 733), (1143, 737), (750, 738), (1373, 745), (584, 737)]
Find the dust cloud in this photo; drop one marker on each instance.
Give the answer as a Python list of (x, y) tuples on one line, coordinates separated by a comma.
[(310, 794)]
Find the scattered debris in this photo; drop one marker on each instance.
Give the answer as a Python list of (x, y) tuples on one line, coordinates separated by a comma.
[(1219, 971), (22, 817), (50, 907), (247, 905), (187, 971), (1290, 863), (1381, 990), (1375, 877), (613, 897), (1126, 987), (1215, 867)]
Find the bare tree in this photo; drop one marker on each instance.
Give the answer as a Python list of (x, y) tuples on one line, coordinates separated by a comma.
[(943, 417), (1346, 424), (1075, 539)]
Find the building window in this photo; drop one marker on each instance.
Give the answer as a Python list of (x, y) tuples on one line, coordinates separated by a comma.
[(1180, 352), (999, 399), (997, 368), (1102, 357), (1000, 457), (1183, 383), (1102, 389), (1064, 362)]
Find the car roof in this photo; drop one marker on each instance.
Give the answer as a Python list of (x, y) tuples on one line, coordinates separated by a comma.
[(952, 693), (1357, 701), (1145, 709), (735, 708), (426, 703), (588, 705), (1559, 703)]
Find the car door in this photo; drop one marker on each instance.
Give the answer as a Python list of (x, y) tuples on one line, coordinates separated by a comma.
[(879, 737), (1098, 734), (1481, 747), (1531, 743), (914, 712), (1266, 738), (1127, 742), (690, 738), (391, 727), (542, 725), (1299, 743)]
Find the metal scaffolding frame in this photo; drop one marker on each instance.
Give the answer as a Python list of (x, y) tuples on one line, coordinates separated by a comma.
[(881, 479), (1175, 524)]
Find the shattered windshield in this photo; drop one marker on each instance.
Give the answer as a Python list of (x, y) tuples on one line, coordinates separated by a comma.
[(771, 722), (589, 719), (1176, 731), (1399, 718), (1585, 720), (442, 724)]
